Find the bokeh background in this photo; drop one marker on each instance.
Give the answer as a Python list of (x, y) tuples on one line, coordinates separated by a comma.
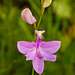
[(58, 22)]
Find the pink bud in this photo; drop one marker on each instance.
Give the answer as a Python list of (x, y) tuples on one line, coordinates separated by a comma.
[(27, 16), (47, 3)]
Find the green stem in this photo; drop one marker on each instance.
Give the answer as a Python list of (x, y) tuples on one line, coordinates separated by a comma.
[(34, 32), (33, 71), (34, 25), (41, 14)]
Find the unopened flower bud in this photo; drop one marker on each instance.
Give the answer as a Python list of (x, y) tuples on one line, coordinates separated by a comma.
[(47, 3), (27, 16)]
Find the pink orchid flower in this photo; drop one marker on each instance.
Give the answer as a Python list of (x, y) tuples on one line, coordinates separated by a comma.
[(27, 16), (39, 51)]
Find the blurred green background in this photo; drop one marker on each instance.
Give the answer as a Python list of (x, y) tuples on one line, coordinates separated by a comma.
[(58, 22)]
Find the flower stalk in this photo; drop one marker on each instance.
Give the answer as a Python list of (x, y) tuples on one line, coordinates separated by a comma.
[(34, 32), (32, 71), (41, 14)]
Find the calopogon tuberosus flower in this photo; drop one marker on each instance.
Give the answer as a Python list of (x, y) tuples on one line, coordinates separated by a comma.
[(47, 3), (27, 16), (39, 52)]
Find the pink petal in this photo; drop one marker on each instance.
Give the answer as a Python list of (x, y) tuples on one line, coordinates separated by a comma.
[(50, 58), (51, 47), (31, 55), (47, 55), (27, 16), (37, 32), (44, 53), (38, 65), (24, 46)]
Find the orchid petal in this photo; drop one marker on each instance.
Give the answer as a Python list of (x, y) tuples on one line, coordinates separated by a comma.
[(47, 55), (50, 58), (24, 46), (51, 47), (31, 55), (41, 32), (27, 16), (36, 31), (38, 64)]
